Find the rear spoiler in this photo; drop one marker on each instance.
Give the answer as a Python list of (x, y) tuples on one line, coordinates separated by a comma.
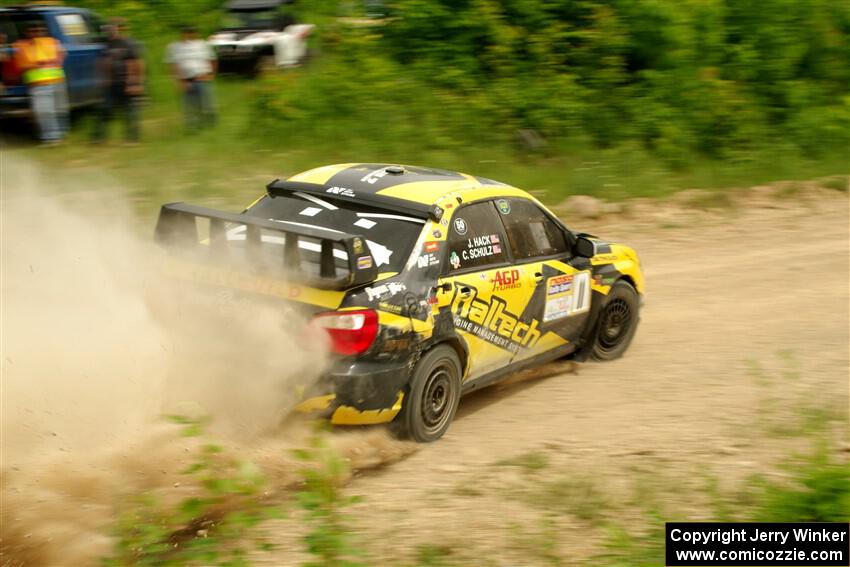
[(403, 206), (177, 227)]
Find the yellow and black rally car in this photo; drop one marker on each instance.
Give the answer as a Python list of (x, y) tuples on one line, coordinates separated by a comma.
[(429, 283)]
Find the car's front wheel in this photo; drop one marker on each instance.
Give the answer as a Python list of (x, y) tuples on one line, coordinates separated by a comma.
[(431, 403), (618, 321)]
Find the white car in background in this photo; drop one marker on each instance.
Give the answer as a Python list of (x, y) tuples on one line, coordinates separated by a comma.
[(260, 34)]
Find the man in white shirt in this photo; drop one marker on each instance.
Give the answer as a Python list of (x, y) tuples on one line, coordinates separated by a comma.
[(193, 64)]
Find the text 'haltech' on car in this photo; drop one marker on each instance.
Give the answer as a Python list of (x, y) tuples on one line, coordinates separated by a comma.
[(429, 283)]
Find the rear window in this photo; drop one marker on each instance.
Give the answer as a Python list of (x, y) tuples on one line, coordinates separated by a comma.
[(14, 25), (390, 236)]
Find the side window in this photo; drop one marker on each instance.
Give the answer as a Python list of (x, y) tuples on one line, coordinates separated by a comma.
[(530, 231), (75, 28), (7, 28), (476, 238), (22, 22)]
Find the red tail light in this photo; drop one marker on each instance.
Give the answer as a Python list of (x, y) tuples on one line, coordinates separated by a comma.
[(351, 332)]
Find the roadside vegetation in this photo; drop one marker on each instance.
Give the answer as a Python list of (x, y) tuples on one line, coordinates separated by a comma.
[(606, 98), (226, 520), (614, 99)]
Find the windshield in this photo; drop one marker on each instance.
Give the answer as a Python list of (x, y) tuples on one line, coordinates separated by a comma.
[(390, 236), (259, 20)]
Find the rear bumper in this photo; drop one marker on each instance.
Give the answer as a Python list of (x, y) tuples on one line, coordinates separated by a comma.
[(14, 106), (358, 393)]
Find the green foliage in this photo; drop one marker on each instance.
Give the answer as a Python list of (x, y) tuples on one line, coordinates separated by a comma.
[(625, 549), (214, 526), (322, 499), (713, 78), (819, 491), (149, 19)]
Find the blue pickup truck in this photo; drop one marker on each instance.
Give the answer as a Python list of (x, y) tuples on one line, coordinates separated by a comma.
[(78, 30)]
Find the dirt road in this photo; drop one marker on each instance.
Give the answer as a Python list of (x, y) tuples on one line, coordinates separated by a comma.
[(741, 358), (744, 327)]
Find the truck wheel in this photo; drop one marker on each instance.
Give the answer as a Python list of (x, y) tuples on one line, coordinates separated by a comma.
[(434, 395), (618, 321), (265, 64)]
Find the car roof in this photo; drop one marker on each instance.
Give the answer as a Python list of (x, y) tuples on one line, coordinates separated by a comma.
[(250, 5), (407, 183), (41, 9)]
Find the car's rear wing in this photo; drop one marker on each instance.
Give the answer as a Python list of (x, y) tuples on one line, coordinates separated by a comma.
[(253, 244), (403, 206)]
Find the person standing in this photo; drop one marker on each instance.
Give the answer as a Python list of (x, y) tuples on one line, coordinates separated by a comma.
[(193, 64), (121, 71), (39, 57)]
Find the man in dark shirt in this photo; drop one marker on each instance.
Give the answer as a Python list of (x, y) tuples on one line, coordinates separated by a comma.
[(121, 71)]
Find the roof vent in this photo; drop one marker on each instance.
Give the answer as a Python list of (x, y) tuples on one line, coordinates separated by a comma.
[(394, 169)]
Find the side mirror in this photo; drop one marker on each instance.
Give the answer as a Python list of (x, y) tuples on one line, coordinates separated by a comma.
[(584, 247)]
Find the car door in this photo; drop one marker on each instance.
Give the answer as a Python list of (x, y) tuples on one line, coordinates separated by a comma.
[(560, 293), (484, 292), (82, 50)]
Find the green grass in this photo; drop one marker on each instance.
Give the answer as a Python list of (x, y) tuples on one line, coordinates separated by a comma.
[(529, 462), (228, 165)]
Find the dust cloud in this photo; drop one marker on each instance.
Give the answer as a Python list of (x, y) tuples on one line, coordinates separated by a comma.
[(96, 347)]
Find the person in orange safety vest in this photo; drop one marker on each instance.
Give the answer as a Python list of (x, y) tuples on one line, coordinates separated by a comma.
[(39, 58)]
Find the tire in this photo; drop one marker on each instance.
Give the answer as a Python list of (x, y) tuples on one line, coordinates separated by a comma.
[(264, 65), (434, 394), (616, 323)]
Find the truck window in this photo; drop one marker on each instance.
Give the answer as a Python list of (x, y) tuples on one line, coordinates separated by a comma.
[(15, 25), (75, 28)]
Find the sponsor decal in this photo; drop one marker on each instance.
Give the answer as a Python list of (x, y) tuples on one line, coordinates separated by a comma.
[(599, 280), (385, 291), (344, 191), (559, 284), (358, 246), (444, 222), (567, 295), (503, 206), (364, 262), (390, 308), (506, 279), (372, 177), (604, 258), (454, 260), (491, 321), (460, 226), (437, 234), (481, 247), (426, 260), (431, 246)]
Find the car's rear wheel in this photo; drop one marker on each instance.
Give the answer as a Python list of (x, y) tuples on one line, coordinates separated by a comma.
[(617, 322), (431, 403)]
